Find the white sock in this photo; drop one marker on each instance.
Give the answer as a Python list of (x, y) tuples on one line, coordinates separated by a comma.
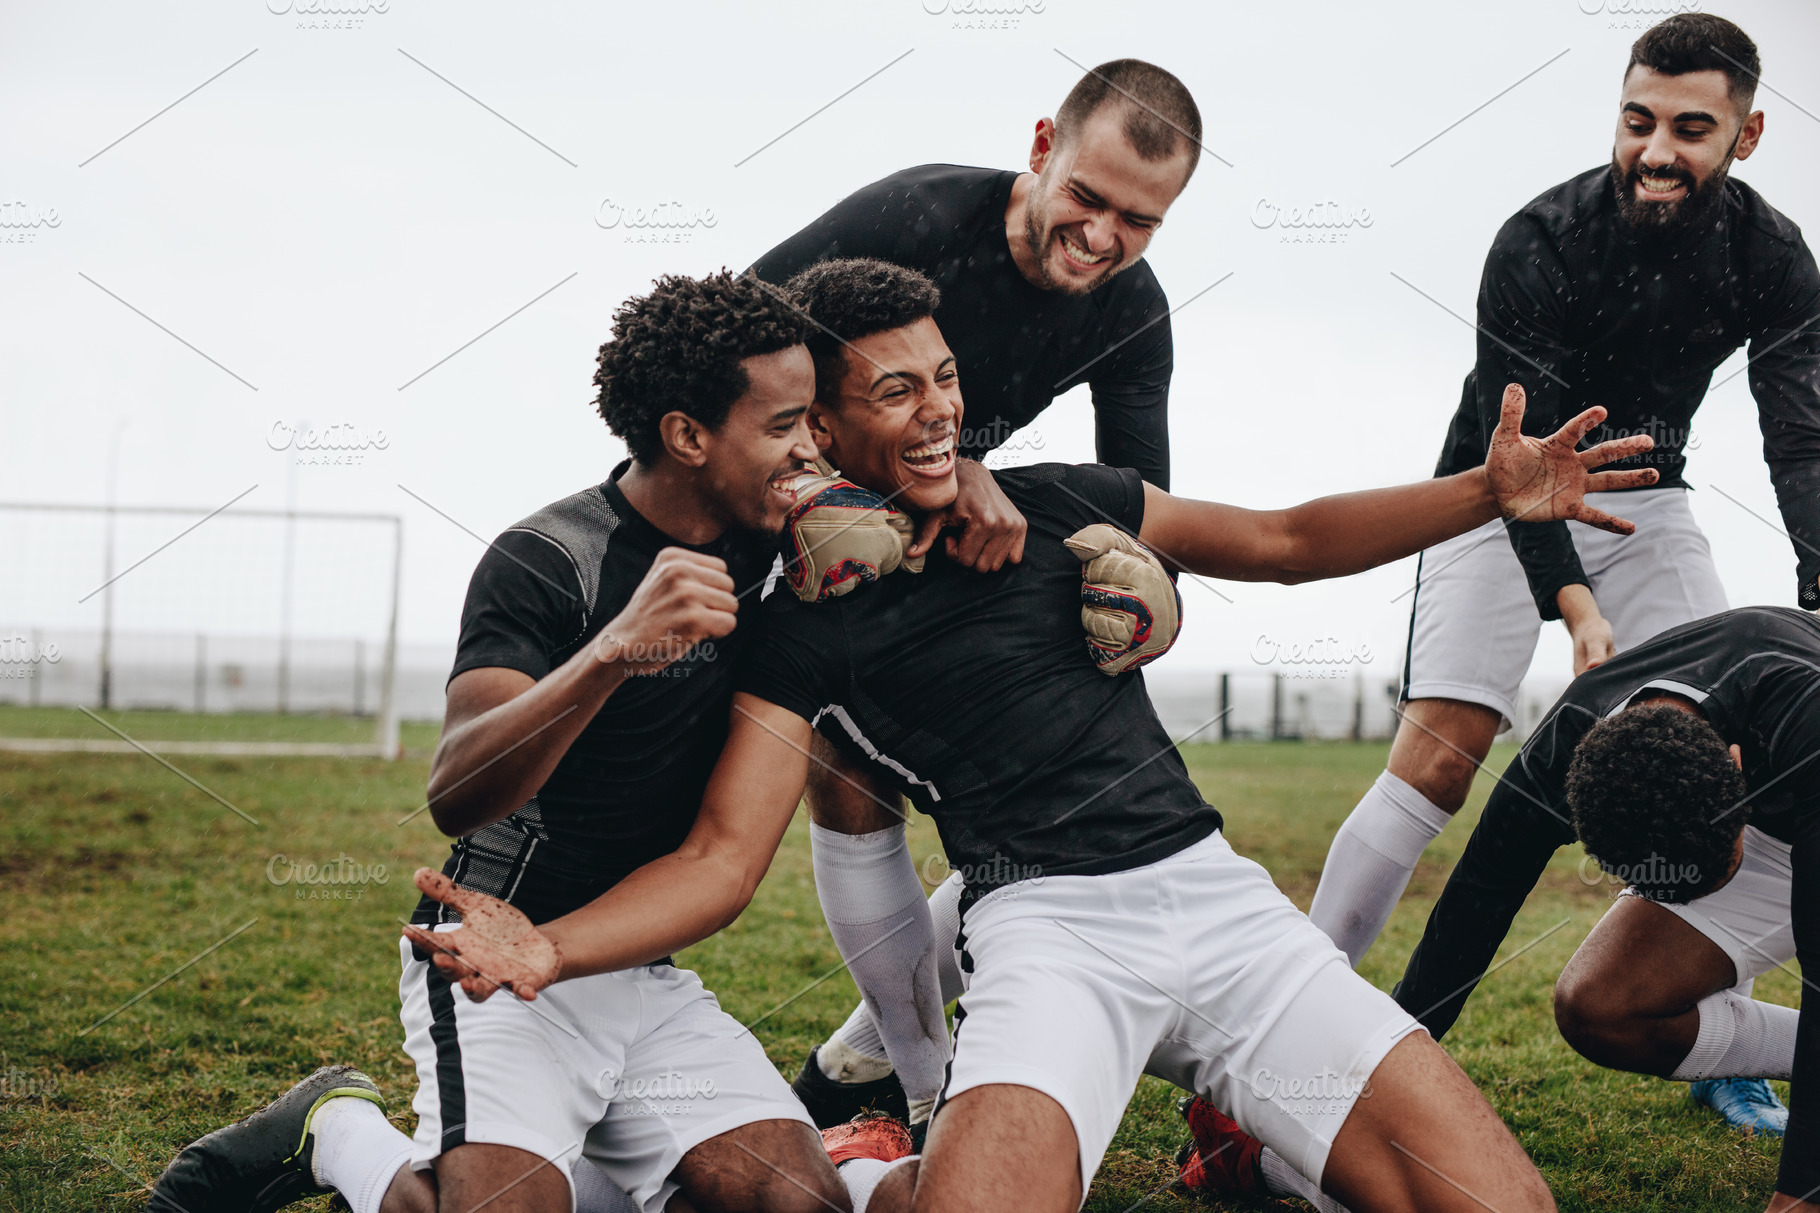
[(1281, 1179), (595, 1193), (1370, 863), (856, 1052), (1741, 1038), (880, 921), (358, 1151), (862, 1177)]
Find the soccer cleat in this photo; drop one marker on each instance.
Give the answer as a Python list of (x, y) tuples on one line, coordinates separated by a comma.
[(868, 1135), (260, 1162), (1748, 1103), (1221, 1158), (831, 1103)]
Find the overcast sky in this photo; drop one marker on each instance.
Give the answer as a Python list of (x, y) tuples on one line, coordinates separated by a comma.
[(329, 219)]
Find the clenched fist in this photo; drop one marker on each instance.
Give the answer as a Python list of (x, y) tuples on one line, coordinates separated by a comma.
[(685, 598), (1129, 606)]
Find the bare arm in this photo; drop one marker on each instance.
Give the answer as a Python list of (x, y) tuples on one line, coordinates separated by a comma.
[(1532, 479), (505, 732), (674, 901), (683, 897)]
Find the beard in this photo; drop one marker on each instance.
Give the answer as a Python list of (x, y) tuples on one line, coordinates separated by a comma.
[(1039, 235), (1681, 221)]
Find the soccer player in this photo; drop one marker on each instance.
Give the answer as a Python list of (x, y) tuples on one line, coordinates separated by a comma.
[(1685, 765), (1043, 287), (1108, 928), (1623, 287), (583, 720)]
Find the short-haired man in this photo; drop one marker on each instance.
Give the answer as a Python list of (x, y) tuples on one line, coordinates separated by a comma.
[(583, 720), (1042, 287), (1685, 766), (1109, 929), (1624, 287)]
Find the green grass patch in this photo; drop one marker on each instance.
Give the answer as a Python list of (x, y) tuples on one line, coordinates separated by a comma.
[(118, 872)]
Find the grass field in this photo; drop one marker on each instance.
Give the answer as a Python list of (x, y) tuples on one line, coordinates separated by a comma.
[(118, 872)]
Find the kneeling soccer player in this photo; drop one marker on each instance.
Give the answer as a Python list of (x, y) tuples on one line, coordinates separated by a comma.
[(1112, 931), (582, 726), (1687, 765)]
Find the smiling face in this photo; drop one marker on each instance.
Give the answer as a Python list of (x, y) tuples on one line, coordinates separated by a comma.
[(1094, 205), (747, 461), (1677, 137), (893, 424)]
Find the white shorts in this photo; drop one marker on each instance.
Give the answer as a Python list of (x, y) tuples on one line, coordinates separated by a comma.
[(630, 1069), (1750, 919), (1473, 627), (1195, 969)]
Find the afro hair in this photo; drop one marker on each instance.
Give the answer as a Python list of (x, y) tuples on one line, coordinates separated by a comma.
[(679, 348), (1657, 800)]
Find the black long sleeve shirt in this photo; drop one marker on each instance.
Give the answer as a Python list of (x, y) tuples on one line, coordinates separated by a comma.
[(1577, 310), (1755, 674), (1017, 346)]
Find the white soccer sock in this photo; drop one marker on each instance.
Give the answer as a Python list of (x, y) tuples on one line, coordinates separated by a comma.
[(853, 1044), (358, 1151), (1370, 863), (595, 1193), (1740, 1038), (1281, 1179), (862, 1177), (945, 915), (880, 921)]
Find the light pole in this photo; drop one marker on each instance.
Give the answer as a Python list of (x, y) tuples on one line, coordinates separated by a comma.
[(107, 592)]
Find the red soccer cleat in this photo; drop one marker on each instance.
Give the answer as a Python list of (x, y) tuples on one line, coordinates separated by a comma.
[(1222, 1157), (868, 1135)]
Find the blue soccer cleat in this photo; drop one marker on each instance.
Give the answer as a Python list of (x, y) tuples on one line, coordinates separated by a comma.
[(1747, 1103)]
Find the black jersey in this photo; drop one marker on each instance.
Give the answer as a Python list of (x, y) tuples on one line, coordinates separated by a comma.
[(628, 789), (1577, 310), (1755, 672), (976, 696), (1017, 347)]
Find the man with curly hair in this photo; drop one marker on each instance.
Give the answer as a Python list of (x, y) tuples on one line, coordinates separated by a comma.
[(588, 702), (1687, 767)]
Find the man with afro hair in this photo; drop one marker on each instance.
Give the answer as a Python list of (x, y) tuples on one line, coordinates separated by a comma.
[(588, 702), (1686, 766)]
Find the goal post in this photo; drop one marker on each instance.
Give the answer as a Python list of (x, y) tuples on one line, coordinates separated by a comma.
[(271, 629)]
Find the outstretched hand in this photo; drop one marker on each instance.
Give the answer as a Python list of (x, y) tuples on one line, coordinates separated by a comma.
[(1546, 479), (494, 947)]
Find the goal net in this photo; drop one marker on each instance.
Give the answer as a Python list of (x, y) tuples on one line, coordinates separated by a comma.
[(247, 631)]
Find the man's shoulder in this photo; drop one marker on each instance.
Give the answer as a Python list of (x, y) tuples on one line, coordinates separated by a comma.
[(1082, 493), (1133, 295), (1560, 212), (940, 195), (1760, 221)]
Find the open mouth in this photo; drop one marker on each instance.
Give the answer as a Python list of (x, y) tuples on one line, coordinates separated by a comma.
[(787, 482), (1078, 257), (1659, 187), (934, 458)]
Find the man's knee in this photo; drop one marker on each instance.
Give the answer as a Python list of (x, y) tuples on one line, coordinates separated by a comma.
[(1588, 1013), (1439, 747), (767, 1166), (504, 1178)]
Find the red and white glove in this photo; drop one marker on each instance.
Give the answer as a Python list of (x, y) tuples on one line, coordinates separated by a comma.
[(1129, 606), (839, 535)]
